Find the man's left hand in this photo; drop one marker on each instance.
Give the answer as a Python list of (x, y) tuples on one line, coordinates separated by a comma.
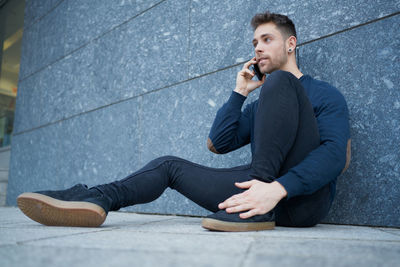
[(259, 198)]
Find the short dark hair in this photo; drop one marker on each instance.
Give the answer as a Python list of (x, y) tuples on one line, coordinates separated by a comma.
[(282, 22)]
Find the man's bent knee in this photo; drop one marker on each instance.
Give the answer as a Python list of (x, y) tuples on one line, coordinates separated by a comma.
[(280, 75), (280, 80), (164, 159)]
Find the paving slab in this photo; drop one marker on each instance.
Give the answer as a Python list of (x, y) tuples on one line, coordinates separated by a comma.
[(11, 256), (132, 239), (308, 252)]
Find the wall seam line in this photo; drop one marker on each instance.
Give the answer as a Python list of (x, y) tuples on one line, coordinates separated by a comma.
[(350, 28), (42, 16), (189, 47)]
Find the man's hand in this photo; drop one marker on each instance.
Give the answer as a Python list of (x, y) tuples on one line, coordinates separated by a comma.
[(244, 82), (259, 199)]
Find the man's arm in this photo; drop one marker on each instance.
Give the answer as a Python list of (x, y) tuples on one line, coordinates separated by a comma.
[(231, 127)]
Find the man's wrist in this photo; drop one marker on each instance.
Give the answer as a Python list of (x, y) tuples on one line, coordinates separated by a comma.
[(282, 191), (241, 91)]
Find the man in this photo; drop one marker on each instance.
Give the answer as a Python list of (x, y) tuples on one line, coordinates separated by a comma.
[(298, 130)]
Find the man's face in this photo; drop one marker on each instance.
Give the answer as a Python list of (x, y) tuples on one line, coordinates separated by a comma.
[(269, 47)]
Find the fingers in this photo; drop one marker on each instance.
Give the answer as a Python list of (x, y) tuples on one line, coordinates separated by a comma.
[(239, 208), (237, 199), (248, 74), (230, 202), (249, 214), (249, 63), (246, 184)]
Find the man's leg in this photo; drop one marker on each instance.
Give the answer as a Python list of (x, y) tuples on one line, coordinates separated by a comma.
[(304, 211), (82, 206), (203, 185), (285, 128), (285, 131)]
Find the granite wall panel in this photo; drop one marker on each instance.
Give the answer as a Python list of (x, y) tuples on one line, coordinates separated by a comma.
[(102, 145), (221, 34), (93, 148), (68, 87), (45, 43), (366, 71), (88, 19), (29, 107), (59, 91), (147, 53), (34, 162), (75, 23)]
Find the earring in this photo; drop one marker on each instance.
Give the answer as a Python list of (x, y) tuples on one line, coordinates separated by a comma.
[(290, 49)]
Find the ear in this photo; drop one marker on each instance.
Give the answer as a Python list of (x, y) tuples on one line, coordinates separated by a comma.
[(291, 43)]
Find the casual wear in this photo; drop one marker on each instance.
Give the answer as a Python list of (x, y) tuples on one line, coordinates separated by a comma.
[(233, 128), (282, 127)]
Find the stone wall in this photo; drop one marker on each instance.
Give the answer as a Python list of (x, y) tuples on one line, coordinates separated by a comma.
[(106, 86)]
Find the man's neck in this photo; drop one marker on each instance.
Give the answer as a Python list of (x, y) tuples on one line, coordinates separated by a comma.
[(292, 68), (295, 71)]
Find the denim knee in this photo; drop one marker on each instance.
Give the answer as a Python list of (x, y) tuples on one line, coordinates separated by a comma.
[(280, 75), (280, 80), (164, 159)]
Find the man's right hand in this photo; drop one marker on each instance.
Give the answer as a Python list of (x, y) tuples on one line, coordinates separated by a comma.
[(244, 82)]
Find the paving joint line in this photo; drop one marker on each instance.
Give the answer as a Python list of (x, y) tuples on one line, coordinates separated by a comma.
[(331, 238), (64, 235), (391, 232), (254, 235), (137, 249), (246, 254), (140, 224)]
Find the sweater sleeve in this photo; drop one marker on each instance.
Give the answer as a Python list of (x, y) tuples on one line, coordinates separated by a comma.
[(231, 126), (324, 164)]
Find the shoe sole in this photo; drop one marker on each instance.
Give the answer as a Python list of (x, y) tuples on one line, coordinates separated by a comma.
[(53, 212), (216, 225)]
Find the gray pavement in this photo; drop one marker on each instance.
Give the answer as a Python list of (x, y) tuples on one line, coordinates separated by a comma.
[(130, 239)]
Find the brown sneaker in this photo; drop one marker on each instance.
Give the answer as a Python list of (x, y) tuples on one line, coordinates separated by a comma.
[(76, 206), (231, 222)]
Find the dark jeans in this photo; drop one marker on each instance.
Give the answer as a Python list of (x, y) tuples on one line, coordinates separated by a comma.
[(285, 132)]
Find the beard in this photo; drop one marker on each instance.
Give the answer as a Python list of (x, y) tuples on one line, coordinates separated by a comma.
[(276, 62)]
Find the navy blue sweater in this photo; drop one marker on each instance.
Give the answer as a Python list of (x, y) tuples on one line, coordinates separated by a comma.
[(233, 128)]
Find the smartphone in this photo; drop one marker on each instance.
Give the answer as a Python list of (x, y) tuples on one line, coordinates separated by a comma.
[(257, 71)]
